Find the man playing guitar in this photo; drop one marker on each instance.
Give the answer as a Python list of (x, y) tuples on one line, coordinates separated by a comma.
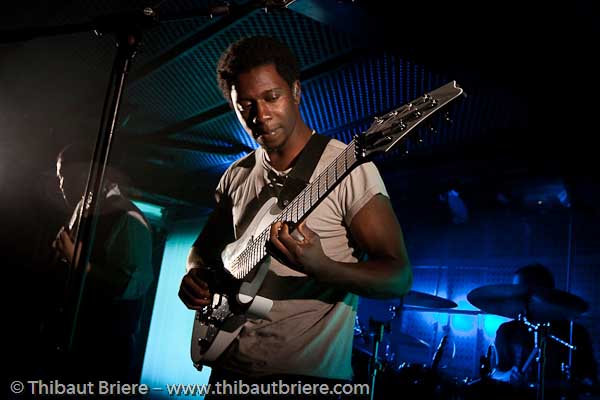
[(316, 273)]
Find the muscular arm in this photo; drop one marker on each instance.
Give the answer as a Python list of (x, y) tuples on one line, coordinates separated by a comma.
[(194, 291), (216, 233), (194, 259), (387, 272)]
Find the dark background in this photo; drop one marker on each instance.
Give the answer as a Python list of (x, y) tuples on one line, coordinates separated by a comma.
[(520, 151)]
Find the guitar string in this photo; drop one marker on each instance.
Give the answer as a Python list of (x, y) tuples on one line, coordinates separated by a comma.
[(244, 263)]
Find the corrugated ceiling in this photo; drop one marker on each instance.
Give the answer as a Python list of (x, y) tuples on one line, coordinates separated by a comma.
[(175, 123)]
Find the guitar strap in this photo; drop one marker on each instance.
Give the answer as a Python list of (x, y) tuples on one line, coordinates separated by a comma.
[(306, 163), (285, 190)]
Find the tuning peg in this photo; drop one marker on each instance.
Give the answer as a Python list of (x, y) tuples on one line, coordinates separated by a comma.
[(359, 146), (414, 115)]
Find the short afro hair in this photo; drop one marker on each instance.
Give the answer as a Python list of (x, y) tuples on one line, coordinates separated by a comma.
[(252, 52)]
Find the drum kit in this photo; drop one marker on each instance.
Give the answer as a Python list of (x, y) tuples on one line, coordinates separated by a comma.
[(534, 308), (380, 371)]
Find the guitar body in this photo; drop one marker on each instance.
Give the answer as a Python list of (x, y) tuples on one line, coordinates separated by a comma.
[(217, 325)]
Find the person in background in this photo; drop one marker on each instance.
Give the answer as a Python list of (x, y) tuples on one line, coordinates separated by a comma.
[(119, 273), (514, 344)]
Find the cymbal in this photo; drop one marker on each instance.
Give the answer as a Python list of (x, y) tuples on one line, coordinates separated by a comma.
[(541, 304), (420, 299)]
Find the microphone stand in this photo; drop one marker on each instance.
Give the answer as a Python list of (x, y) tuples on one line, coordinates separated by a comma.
[(128, 36), (127, 29), (378, 327)]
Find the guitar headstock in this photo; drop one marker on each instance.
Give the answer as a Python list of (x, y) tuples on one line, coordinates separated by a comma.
[(390, 129)]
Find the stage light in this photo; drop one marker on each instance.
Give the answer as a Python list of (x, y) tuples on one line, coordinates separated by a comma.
[(167, 357), (151, 211), (463, 324), (491, 324)]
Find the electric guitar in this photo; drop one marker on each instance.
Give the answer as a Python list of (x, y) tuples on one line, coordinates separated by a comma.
[(246, 262)]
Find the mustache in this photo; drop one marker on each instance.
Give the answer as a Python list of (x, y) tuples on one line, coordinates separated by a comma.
[(259, 130)]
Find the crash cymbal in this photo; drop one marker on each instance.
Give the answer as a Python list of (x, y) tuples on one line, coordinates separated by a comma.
[(420, 299), (541, 304)]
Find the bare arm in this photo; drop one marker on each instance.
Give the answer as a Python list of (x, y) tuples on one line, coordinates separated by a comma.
[(194, 259), (387, 272), (194, 290)]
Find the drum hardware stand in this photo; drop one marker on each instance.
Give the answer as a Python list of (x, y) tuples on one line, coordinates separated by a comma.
[(540, 338), (379, 328)]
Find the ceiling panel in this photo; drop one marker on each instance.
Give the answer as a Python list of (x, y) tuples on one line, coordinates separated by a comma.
[(175, 120), (343, 101), (224, 129), (185, 86)]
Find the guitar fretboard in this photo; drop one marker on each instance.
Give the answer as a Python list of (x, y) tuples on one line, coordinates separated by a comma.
[(298, 209)]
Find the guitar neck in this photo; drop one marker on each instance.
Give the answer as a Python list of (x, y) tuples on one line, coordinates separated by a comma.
[(385, 133), (298, 209)]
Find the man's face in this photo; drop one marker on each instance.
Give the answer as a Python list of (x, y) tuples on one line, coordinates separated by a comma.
[(266, 107), (71, 182)]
